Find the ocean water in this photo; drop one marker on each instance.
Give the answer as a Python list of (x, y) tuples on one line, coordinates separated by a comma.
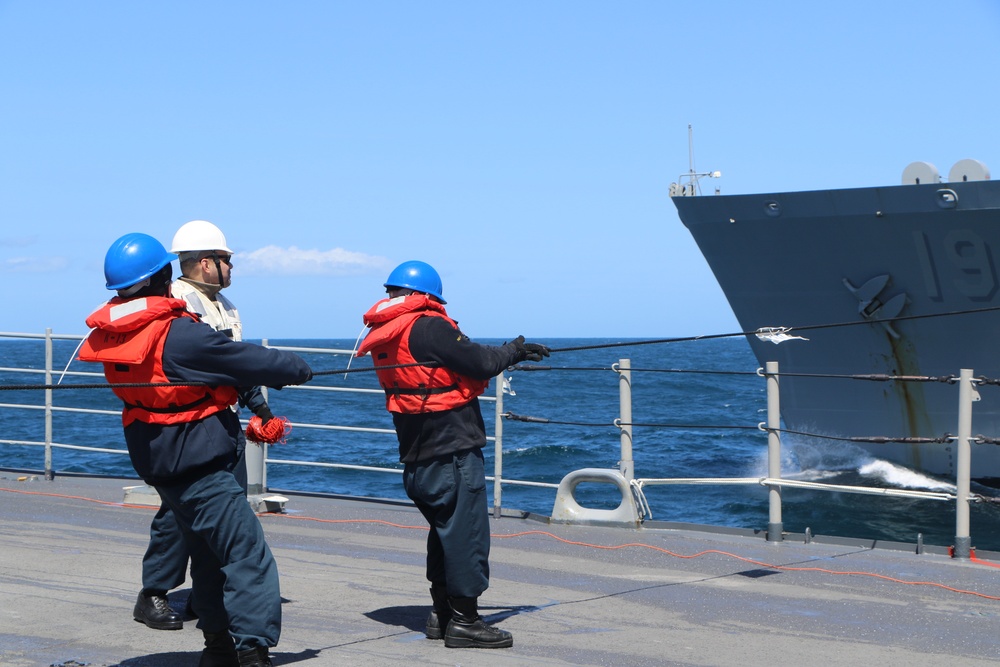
[(697, 423)]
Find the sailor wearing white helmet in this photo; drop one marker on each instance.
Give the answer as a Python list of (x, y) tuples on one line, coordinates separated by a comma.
[(206, 266)]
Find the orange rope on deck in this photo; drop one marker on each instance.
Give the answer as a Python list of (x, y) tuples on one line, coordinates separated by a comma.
[(614, 547)]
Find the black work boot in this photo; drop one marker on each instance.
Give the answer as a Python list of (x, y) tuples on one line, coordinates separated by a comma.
[(440, 616), (254, 657), (219, 651), (155, 611), (467, 629)]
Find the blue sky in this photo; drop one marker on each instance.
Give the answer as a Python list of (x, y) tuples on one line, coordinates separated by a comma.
[(525, 149)]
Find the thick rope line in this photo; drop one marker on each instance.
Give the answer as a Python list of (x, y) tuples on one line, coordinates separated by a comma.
[(874, 377), (537, 367), (877, 377), (369, 369), (100, 385), (434, 364), (109, 385), (808, 327), (682, 339)]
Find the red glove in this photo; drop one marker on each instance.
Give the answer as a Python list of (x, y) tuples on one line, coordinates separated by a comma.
[(275, 431)]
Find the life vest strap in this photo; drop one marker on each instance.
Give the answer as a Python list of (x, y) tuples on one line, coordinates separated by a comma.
[(169, 409), (418, 391)]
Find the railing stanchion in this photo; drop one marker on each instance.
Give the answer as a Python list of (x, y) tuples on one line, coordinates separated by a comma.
[(626, 466), (255, 456), (498, 448), (775, 526), (49, 474), (966, 394)]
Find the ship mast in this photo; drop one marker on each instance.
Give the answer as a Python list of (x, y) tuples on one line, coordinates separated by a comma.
[(688, 185)]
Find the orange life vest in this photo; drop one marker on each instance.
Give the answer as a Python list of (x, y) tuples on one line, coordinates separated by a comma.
[(128, 339), (412, 389)]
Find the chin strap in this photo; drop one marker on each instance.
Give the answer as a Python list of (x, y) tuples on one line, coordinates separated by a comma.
[(218, 271)]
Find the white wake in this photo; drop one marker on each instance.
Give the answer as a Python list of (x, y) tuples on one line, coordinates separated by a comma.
[(898, 476)]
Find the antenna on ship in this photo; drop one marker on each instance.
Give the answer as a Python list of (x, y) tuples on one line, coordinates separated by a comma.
[(688, 185)]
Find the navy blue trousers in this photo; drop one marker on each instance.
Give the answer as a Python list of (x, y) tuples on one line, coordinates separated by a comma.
[(234, 575), (164, 566), (450, 491)]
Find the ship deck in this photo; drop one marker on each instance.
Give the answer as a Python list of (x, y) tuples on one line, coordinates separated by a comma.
[(354, 591)]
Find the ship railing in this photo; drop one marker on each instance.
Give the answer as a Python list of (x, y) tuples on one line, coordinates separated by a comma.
[(633, 507), (48, 407), (773, 481), (497, 438), (258, 458)]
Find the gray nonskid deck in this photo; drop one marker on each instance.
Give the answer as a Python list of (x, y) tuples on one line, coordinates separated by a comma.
[(355, 594)]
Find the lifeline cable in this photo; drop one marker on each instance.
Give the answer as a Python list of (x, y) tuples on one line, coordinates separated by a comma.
[(616, 423), (876, 439)]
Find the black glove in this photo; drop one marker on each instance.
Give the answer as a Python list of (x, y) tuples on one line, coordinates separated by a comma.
[(530, 351), (264, 413)]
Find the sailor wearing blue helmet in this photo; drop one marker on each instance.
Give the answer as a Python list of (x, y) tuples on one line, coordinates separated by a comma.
[(177, 379), (432, 375)]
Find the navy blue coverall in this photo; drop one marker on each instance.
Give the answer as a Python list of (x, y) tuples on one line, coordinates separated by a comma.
[(443, 460), (192, 464)]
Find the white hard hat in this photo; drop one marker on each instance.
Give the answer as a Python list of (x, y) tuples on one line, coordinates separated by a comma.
[(199, 235)]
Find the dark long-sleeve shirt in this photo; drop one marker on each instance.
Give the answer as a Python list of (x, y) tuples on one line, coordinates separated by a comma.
[(430, 434), (194, 352)]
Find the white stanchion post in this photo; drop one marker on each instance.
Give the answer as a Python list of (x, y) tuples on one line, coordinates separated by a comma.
[(49, 473), (498, 448), (775, 526), (626, 466), (254, 456), (966, 394)]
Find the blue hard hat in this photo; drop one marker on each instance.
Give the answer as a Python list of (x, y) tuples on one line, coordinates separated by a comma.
[(133, 258), (417, 276)]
